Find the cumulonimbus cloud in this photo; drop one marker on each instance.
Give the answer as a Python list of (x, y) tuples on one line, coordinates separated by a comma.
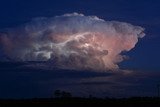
[(71, 41)]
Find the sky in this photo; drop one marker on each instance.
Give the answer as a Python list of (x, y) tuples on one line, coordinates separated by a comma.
[(137, 76)]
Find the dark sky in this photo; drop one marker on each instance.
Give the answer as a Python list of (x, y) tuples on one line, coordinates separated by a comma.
[(143, 13), (144, 58)]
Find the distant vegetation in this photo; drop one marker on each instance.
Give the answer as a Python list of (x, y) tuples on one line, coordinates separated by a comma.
[(83, 102), (65, 99), (62, 94)]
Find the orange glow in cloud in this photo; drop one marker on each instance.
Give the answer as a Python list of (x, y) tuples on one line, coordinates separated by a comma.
[(72, 41)]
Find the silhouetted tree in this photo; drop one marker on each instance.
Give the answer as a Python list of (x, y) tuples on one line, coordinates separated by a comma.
[(66, 94), (57, 93), (62, 94), (90, 96)]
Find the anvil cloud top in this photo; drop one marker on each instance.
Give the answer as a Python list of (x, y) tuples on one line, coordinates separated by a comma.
[(71, 41)]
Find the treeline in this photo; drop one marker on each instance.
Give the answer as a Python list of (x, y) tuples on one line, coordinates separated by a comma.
[(83, 102), (65, 99)]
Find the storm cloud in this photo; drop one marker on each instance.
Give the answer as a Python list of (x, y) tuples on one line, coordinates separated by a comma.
[(71, 41)]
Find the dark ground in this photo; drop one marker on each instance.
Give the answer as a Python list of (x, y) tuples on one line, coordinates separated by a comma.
[(83, 102)]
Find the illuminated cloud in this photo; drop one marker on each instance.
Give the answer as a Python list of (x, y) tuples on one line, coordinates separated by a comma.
[(71, 41)]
